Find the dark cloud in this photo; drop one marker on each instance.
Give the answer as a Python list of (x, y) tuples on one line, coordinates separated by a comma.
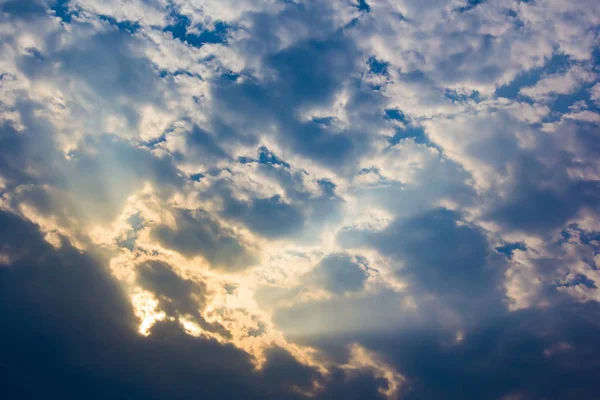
[(360, 386), (339, 273), (178, 296), (295, 81), (203, 146), (197, 233), (29, 155), (545, 195), (443, 256), (363, 114), (536, 353), (531, 354), (300, 215), (270, 217), (119, 69), (23, 9), (319, 209), (542, 210), (68, 331)]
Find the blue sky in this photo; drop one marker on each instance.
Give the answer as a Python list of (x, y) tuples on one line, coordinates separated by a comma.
[(299, 199)]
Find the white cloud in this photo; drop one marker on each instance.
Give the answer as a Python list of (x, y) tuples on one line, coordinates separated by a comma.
[(560, 83), (595, 94)]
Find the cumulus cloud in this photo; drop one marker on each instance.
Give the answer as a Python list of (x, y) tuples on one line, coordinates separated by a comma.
[(595, 93), (284, 199), (200, 235), (338, 273), (559, 83), (58, 299)]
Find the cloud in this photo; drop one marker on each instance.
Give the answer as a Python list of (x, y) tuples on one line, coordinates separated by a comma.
[(197, 234), (522, 351), (278, 199), (338, 273), (271, 217), (547, 209), (445, 263), (595, 93), (442, 255), (292, 84), (50, 305), (178, 296), (555, 84), (28, 9)]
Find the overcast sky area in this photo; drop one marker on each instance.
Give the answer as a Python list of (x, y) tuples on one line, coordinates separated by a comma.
[(289, 199)]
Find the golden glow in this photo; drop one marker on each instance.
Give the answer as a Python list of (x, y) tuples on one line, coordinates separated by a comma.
[(361, 358), (145, 306), (249, 327)]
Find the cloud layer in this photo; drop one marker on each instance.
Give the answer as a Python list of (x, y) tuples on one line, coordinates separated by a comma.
[(291, 199)]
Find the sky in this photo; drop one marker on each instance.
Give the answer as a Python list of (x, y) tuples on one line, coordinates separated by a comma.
[(288, 199)]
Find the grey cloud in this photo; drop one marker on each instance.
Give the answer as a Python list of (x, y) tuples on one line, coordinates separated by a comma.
[(361, 386), (544, 195), (197, 233), (444, 257), (110, 63), (545, 210), (23, 9), (187, 296), (50, 307), (320, 208), (535, 353), (338, 273), (534, 188), (25, 156), (293, 81), (101, 179), (204, 146), (270, 217), (433, 179), (178, 296), (314, 80), (531, 354), (299, 212)]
